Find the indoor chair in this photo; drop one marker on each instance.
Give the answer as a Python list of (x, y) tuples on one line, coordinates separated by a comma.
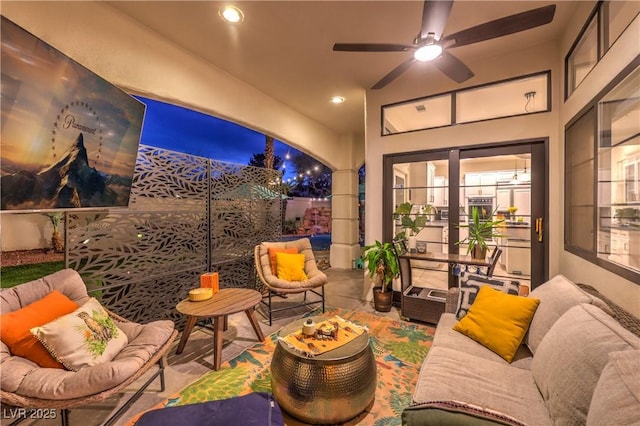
[(25, 384), (274, 286)]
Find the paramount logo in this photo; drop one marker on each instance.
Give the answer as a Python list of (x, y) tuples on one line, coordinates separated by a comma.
[(70, 122)]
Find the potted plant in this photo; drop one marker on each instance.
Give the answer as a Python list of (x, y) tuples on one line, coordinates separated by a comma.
[(56, 239), (480, 230), (383, 267), (411, 223)]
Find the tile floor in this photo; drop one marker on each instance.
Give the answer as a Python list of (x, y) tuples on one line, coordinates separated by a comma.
[(348, 289)]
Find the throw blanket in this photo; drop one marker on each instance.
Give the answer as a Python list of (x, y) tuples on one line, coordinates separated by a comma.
[(310, 346)]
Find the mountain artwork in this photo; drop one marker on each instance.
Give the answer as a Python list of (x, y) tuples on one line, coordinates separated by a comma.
[(69, 139)]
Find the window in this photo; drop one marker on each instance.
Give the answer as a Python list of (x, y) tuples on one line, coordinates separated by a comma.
[(584, 56), (424, 113), (608, 20), (618, 163), (602, 178), (616, 16), (522, 95), (579, 168)]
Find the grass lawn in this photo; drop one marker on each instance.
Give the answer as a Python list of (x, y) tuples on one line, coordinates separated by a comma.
[(14, 275)]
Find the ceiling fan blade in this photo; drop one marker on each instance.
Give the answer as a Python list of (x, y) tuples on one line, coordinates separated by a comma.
[(503, 26), (453, 67), (393, 74), (371, 47), (435, 14)]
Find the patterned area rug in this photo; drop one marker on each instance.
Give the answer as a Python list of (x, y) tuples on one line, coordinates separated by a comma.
[(399, 348)]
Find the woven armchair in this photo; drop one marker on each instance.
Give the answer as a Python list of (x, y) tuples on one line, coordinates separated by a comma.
[(274, 286), (27, 385)]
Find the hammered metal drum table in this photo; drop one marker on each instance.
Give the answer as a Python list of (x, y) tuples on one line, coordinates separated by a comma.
[(328, 388)]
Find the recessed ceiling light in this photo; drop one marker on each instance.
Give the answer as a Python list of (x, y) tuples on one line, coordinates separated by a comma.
[(231, 14), (337, 100)]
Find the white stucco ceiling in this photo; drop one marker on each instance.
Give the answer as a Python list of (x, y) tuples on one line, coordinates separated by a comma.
[(284, 48)]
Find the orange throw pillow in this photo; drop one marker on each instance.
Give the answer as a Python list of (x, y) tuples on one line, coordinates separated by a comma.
[(15, 326), (272, 256)]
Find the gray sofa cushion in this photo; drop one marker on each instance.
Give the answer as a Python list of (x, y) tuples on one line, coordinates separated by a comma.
[(446, 336), (557, 296), (568, 362), (616, 399), (453, 375)]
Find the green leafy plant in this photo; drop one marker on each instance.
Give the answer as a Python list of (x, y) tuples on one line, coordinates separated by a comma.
[(412, 222), (480, 231), (382, 261)]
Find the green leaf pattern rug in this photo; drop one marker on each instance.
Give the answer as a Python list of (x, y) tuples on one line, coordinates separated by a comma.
[(399, 348)]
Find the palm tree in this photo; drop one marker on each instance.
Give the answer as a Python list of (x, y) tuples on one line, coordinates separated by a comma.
[(268, 152)]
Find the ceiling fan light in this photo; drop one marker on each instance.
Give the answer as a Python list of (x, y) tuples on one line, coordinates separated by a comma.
[(337, 100), (428, 52), (231, 14)]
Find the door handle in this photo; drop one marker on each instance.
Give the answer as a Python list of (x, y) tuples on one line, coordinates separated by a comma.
[(539, 229)]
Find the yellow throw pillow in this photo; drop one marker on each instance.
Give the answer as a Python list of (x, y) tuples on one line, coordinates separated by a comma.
[(498, 321), (290, 267)]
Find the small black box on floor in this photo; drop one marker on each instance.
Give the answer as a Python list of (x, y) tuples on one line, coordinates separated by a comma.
[(423, 304)]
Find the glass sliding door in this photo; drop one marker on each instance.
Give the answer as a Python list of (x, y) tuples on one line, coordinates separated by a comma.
[(441, 188), (499, 187)]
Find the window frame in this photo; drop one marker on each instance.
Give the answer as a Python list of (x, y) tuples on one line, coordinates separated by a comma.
[(592, 255), (454, 95), (599, 14)]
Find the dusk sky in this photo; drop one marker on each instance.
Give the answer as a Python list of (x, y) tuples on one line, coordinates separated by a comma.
[(184, 130)]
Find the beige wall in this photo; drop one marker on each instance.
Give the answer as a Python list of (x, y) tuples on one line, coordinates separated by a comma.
[(545, 125)]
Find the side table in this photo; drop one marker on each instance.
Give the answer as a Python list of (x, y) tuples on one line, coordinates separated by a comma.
[(225, 302), (329, 388)]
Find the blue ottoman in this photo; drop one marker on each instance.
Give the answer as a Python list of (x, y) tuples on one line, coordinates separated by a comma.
[(253, 409)]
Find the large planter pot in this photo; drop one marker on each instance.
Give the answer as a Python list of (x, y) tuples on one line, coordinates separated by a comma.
[(382, 301), (57, 242)]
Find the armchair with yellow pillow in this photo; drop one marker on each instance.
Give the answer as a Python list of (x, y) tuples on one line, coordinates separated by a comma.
[(285, 268), (554, 356)]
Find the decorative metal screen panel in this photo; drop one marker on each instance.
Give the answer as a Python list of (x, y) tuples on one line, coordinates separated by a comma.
[(187, 215), (245, 210)]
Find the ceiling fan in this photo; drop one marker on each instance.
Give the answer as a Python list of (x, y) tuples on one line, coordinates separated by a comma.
[(430, 45)]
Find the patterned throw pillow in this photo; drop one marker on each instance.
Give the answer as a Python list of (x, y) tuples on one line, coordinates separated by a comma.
[(470, 285), (83, 338)]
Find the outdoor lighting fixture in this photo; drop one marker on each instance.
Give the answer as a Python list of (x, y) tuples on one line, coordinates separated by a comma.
[(337, 100), (231, 14), (429, 51)]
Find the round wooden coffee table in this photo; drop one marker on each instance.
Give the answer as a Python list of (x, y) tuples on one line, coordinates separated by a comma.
[(225, 302), (329, 388)]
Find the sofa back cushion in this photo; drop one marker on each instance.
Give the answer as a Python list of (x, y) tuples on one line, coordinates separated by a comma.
[(556, 296), (616, 399), (571, 356)]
